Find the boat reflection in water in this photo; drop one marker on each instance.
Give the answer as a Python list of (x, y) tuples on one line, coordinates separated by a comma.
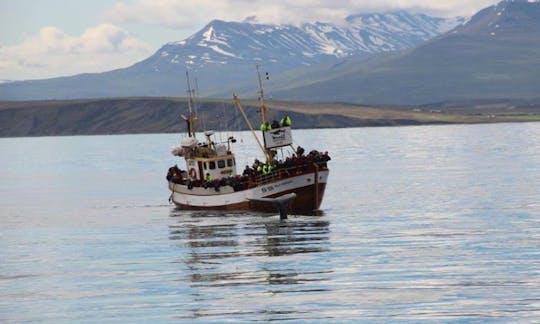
[(242, 264)]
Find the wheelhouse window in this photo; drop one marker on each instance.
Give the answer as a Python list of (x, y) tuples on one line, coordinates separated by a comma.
[(230, 162), (212, 165)]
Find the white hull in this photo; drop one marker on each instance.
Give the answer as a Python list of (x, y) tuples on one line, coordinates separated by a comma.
[(209, 198)]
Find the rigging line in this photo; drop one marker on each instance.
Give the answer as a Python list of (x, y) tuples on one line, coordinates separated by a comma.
[(236, 102)]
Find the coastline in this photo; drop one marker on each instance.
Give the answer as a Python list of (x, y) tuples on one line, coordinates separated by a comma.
[(149, 115)]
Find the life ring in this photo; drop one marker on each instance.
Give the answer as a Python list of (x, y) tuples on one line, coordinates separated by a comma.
[(192, 173)]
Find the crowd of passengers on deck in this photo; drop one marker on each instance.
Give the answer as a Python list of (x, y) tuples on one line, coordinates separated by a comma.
[(296, 164)]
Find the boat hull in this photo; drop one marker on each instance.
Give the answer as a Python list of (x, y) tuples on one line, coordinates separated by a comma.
[(309, 189)]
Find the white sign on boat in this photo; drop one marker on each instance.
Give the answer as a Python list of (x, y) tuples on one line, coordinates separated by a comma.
[(277, 137)]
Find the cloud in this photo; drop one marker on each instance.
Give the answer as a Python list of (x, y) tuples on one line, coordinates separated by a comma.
[(185, 14), (170, 13), (52, 52)]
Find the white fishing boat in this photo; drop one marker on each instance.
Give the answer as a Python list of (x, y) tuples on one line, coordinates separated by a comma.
[(210, 179)]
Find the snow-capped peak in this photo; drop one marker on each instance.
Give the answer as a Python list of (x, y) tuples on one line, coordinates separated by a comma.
[(220, 41)]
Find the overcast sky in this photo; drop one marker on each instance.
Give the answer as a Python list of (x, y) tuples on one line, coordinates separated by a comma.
[(49, 38)]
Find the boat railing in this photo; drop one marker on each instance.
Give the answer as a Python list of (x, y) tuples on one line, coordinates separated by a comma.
[(266, 178), (280, 173), (287, 172)]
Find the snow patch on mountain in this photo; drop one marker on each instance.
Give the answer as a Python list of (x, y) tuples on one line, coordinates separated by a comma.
[(218, 50), (247, 42)]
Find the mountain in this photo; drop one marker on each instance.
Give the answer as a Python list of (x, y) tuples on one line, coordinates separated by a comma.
[(229, 42), (223, 54), (496, 54)]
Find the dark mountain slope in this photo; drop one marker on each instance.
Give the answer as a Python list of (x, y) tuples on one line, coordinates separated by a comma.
[(495, 55)]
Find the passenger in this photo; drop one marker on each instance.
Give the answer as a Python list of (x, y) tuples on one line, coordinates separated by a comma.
[(289, 162), (326, 157), (174, 174), (275, 124), (265, 126), (207, 180), (169, 174), (256, 164), (272, 154), (286, 121)]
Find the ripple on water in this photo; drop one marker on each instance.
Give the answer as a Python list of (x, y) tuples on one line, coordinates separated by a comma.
[(436, 224)]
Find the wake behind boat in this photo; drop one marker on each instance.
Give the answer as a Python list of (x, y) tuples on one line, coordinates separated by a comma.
[(210, 179)]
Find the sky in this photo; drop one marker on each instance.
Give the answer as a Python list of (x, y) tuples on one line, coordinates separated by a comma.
[(50, 38)]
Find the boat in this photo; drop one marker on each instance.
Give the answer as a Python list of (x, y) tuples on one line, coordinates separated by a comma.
[(210, 179)]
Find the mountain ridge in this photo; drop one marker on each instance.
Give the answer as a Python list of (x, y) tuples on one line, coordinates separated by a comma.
[(224, 53), (496, 55), (493, 55), (364, 33)]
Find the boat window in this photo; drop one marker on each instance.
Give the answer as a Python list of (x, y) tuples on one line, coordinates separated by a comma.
[(230, 162), (221, 164), (212, 165), (205, 166)]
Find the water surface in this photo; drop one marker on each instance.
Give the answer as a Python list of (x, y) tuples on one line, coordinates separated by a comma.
[(430, 223)]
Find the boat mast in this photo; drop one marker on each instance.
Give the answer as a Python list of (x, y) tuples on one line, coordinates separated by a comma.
[(262, 107), (191, 120), (262, 110), (196, 100)]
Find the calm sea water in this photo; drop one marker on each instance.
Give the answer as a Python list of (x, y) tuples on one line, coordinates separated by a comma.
[(431, 223)]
